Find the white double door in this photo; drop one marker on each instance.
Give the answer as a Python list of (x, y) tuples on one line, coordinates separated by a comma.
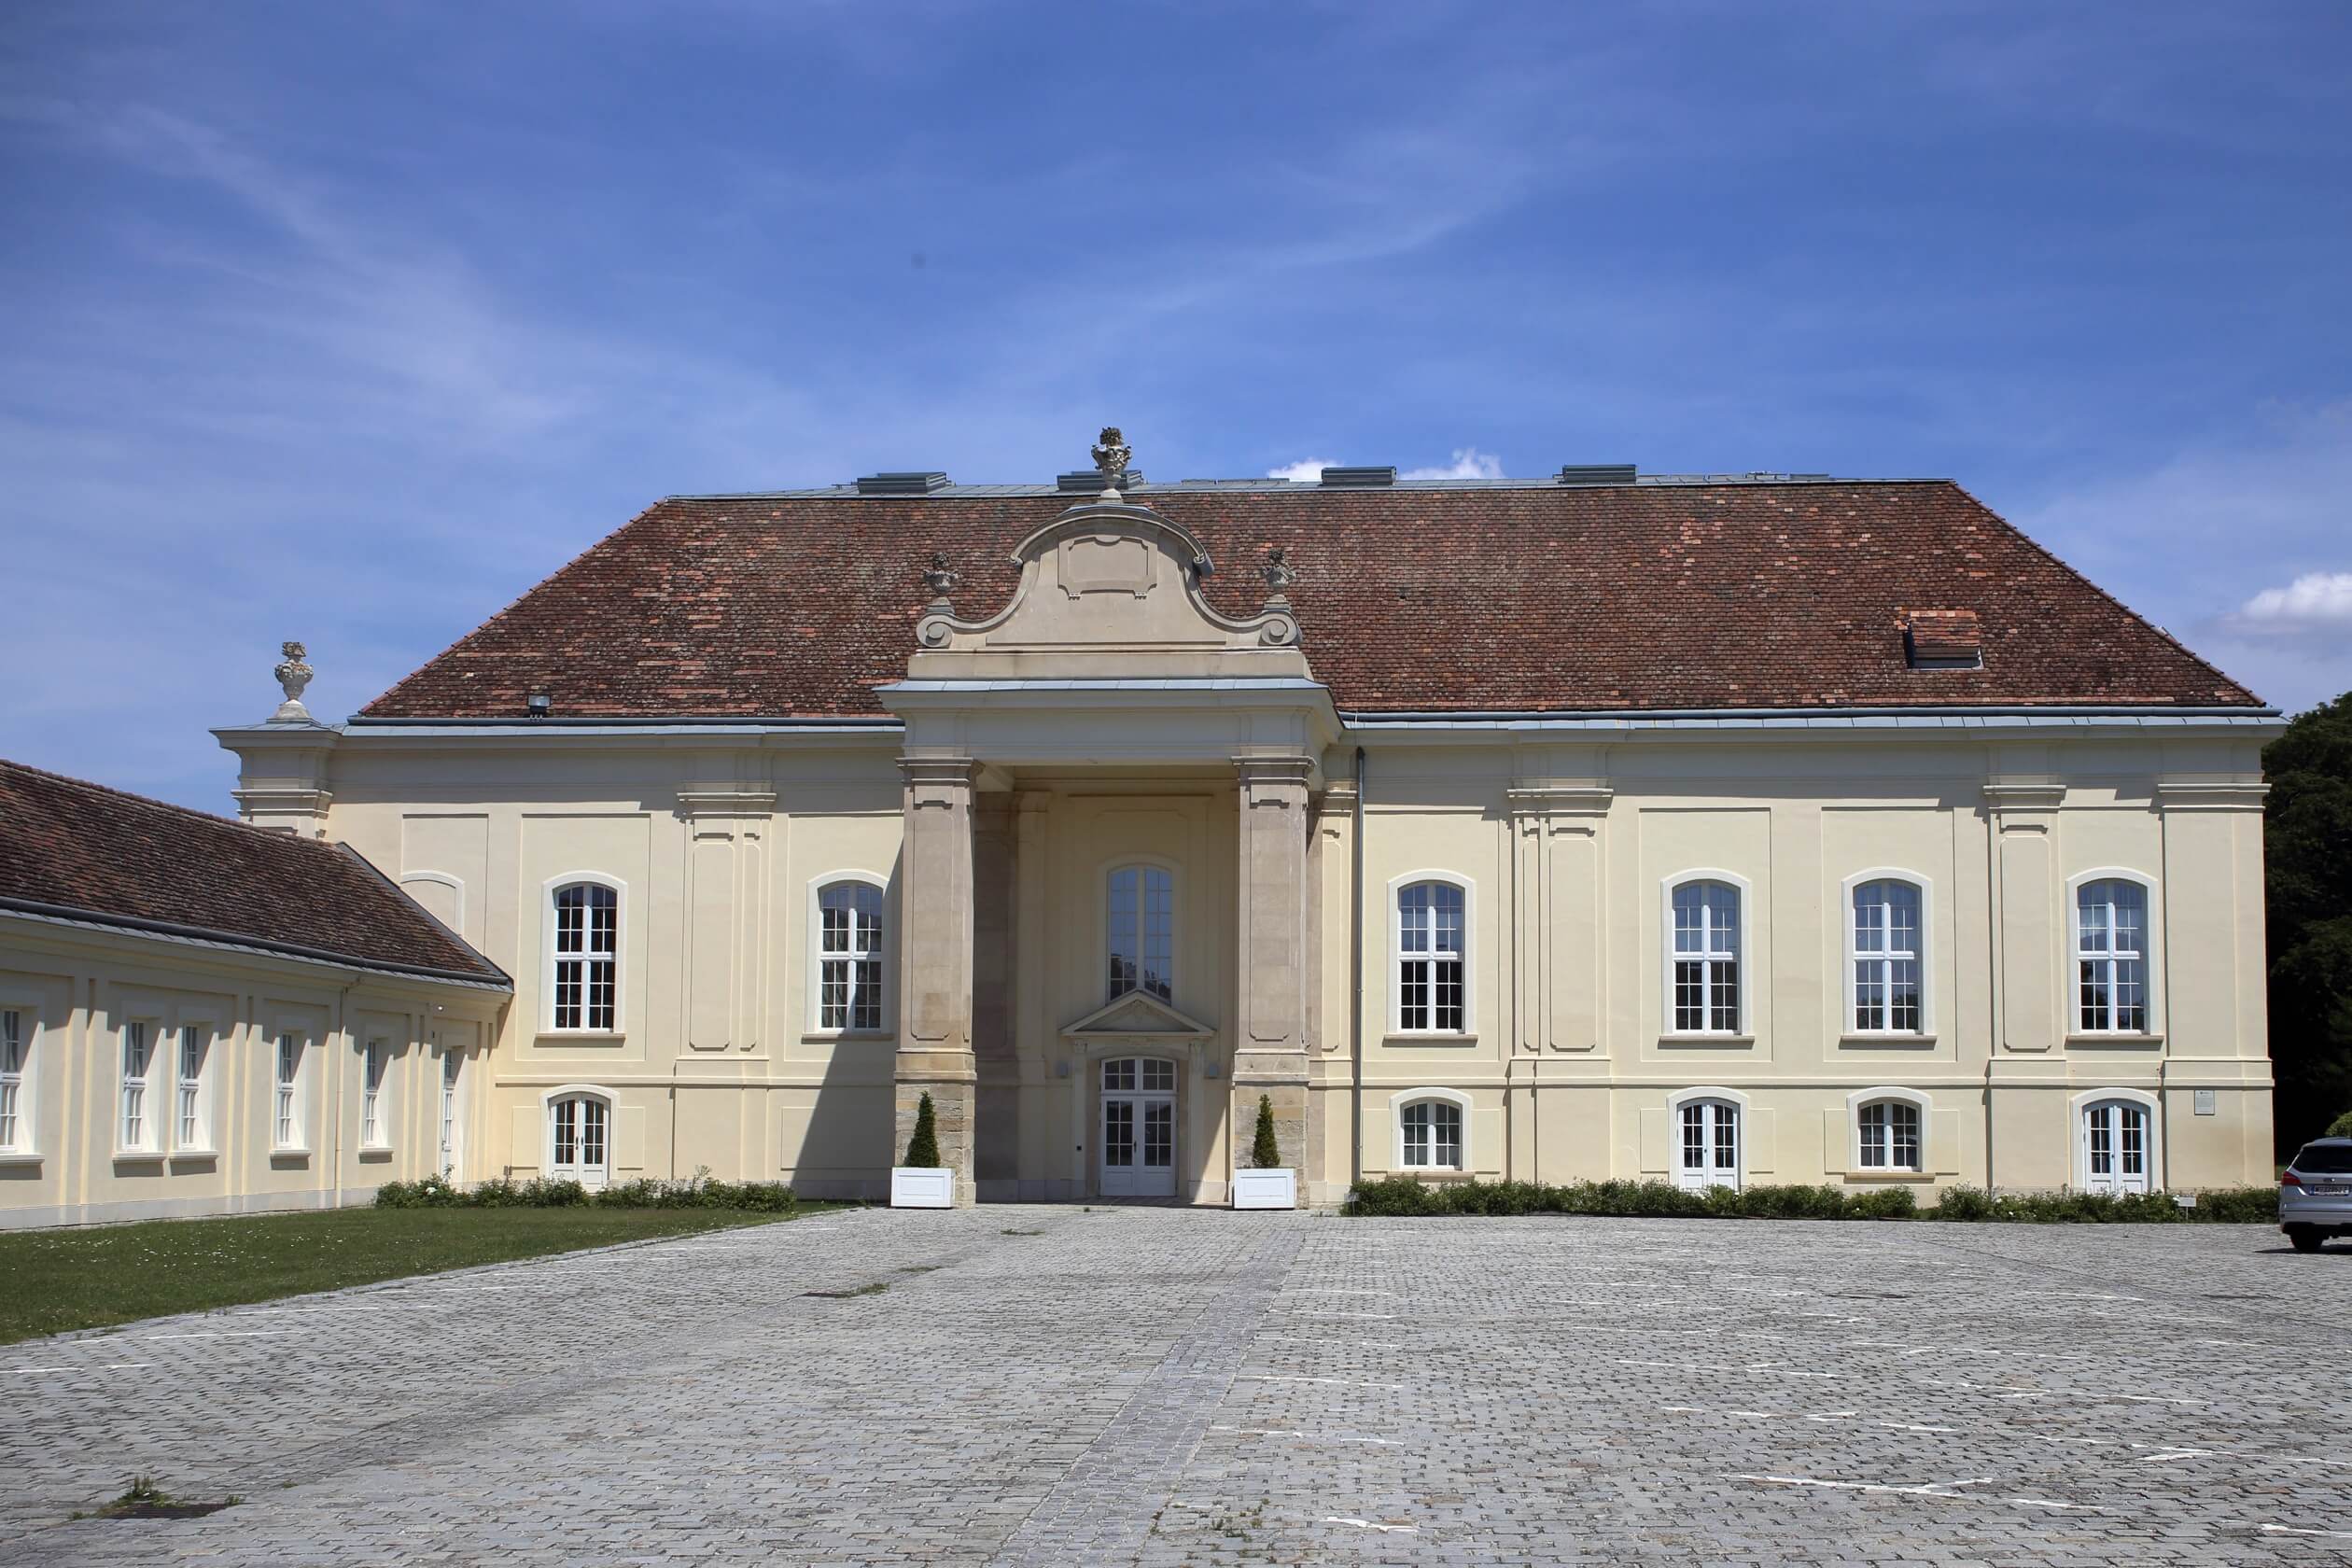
[(1138, 1128), (2115, 1147), (1707, 1144)]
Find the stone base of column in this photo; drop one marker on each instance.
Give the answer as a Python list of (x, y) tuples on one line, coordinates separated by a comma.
[(1281, 1077), (951, 1080)]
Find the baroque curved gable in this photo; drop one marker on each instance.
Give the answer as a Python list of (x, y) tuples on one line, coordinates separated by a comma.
[(1107, 589)]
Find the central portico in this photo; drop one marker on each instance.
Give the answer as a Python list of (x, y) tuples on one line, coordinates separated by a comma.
[(1110, 802)]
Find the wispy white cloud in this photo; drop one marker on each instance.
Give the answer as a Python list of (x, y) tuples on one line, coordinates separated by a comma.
[(1468, 463), (1306, 470)]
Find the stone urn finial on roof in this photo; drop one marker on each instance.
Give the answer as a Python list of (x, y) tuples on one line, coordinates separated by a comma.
[(293, 675), (1279, 572), (1112, 455), (941, 578)]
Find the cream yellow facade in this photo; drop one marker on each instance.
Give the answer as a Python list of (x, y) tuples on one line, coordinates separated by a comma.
[(147, 1076), (1106, 720)]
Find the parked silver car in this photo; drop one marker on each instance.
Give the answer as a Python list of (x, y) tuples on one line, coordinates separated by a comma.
[(2315, 1195)]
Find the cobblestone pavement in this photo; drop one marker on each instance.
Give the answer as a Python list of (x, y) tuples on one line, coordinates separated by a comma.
[(1165, 1387)]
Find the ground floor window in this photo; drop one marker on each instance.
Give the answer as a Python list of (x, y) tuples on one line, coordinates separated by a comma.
[(1708, 1154), (1889, 1135), (1433, 1135), (580, 1138)]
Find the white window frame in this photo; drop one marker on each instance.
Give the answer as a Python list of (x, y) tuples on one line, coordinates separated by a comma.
[(1924, 887), (1741, 955), (2152, 953), (1741, 1124), (289, 1119), (548, 891), (1175, 923), (1396, 886), (1398, 1103), (375, 1093), (1887, 1094), (192, 1095), (144, 1142), (2078, 1136), (548, 1101), (884, 956), (448, 1113), (19, 1086)]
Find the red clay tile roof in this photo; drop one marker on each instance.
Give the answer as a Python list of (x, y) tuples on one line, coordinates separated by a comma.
[(75, 848), (1495, 598)]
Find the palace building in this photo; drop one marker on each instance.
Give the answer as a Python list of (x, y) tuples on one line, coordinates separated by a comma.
[(1721, 829)]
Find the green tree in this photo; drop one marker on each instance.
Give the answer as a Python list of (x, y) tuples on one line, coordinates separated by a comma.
[(1264, 1153), (923, 1148), (2307, 842)]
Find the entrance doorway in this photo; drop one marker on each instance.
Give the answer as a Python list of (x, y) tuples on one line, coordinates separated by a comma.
[(1139, 1127), (2115, 1147), (1708, 1154)]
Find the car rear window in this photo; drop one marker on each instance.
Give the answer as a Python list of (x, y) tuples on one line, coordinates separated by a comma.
[(2325, 1159)]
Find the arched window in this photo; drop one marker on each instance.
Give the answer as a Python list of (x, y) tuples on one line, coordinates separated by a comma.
[(1707, 1144), (1887, 1135), (2116, 1144), (1430, 932), (1143, 932), (1706, 957), (2112, 957), (850, 956), (585, 943), (1888, 993), (16, 1103), (1431, 1134), (580, 1138)]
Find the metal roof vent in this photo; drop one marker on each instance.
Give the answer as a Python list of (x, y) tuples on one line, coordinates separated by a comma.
[(1359, 479), (1943, 639), (1089, 482), (907, 484), (1597, 473)]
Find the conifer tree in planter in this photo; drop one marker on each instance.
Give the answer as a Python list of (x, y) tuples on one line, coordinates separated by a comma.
[(1268, 1184), (923, 1182), (1264, 1153)]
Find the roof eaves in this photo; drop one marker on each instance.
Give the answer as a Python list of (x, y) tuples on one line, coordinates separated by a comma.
[(495, 978)]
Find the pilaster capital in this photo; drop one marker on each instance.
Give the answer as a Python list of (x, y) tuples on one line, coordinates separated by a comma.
[(1261, 773), (725, 801), (2210, 795), (1560, 800), (937, 780), (2001, 797)]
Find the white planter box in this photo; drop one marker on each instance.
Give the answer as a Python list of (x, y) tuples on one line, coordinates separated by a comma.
[(1265, 1189), (923, 1187)]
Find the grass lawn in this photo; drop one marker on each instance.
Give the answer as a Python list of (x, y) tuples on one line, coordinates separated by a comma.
[(51, 1280)]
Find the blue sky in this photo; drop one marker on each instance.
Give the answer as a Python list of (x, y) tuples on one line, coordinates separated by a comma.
[(349, 323)]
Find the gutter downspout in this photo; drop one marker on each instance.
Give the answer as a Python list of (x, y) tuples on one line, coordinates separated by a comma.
[(1355, 975)]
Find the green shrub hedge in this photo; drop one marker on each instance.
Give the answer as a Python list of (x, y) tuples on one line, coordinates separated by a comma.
[(769, 1198), (1404, 1195)]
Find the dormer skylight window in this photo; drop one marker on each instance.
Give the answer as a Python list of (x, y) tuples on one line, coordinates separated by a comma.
[(1943, 639)]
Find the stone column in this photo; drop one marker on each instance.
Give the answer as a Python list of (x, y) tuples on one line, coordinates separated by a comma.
[(935, 922), (1270, 928)]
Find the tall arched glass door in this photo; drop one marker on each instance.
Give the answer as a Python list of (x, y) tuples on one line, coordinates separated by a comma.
[(1138, 1146)]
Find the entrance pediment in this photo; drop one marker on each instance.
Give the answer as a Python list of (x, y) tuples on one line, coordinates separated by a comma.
[(1137, 1016)]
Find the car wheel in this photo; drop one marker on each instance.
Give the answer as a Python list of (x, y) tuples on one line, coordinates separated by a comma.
[(2304, 1239)]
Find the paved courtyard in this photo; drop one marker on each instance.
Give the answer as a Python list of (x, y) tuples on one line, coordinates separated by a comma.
[(1155, 1386)]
